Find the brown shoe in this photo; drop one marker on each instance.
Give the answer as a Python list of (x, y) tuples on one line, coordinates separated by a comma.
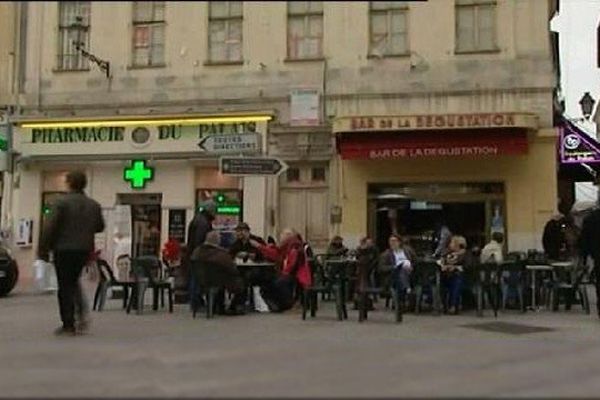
[(82, 327)]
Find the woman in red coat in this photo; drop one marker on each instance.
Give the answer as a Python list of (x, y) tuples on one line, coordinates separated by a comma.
[(289, 256)]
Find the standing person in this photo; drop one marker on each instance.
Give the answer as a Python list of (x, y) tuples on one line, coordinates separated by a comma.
[(69, 234), (198, 228), (589, 245)]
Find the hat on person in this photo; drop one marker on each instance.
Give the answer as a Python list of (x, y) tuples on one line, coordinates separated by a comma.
[(242, 226)]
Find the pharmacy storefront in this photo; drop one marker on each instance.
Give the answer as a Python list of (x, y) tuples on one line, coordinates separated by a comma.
[(477, 173), (148, 174)]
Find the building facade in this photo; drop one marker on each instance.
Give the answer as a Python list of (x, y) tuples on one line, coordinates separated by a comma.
[(358, 98)]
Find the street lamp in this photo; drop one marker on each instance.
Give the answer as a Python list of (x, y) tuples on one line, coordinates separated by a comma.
[(587, 105), (79, 29)]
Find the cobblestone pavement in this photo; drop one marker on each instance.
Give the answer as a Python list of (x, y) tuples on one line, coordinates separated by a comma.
[(263, 355)]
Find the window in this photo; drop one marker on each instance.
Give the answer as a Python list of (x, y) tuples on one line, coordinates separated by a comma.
[(318, 174), (71, 13), (293, 175), (305, 30), (388, 28), (225, 31), (475, 25), (148, 33)]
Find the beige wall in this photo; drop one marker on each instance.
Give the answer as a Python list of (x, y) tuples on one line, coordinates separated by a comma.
[(518, 77), (7, 51)]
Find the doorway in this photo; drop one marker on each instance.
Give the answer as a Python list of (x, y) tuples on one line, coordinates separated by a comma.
[(145, 222), (416, 211)]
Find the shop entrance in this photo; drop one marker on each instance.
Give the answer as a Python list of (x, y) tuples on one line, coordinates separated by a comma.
[(472, 210), (145, 222)]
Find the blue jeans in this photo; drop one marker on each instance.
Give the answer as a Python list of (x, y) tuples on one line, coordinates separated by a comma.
[(400, 279), (453, 282)]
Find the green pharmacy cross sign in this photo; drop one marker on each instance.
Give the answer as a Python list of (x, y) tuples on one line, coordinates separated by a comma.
[(138, 173)]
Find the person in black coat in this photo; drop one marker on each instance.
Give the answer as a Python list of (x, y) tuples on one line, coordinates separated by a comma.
[(198, 228), (589, 245)]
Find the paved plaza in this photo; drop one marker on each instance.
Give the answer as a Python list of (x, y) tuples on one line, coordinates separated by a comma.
[(278, 355)]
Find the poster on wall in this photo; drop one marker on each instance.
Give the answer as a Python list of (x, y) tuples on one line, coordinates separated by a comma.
[(24, 234), (177, 225), (304, 107), (121, 241)]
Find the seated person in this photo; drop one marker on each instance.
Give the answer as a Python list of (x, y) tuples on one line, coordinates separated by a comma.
[(493, 251), (396, 265), (212, 266), (293, 268), (452, 270), (241, 247), (336, 247), (367, 258)]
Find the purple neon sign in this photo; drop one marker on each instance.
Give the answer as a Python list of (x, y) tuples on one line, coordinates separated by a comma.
[(576, 147)]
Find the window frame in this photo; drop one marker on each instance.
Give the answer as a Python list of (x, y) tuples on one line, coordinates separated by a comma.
[(226, 19), (150, 24), (402, 8), (65, 32), (476, 5), (306, 16)]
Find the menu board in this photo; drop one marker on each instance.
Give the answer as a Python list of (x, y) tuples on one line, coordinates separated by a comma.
[(177, 225)]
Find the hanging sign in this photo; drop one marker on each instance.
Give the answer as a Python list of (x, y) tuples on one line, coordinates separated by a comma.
[(577, 147)]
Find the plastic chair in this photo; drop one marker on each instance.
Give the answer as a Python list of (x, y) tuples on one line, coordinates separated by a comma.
[(427, 274), (108, 280), (144, 268), (486, 282), (568, 282), (512, 275)]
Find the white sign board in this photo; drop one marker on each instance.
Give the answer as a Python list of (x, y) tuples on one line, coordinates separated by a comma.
[(24, 235), (304, 107), (234, 143)]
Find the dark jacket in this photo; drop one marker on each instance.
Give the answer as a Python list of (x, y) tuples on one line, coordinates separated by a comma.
[(213, 266), (200, 225), (240, 246), (367, 259), (74, 221), (589, 241)]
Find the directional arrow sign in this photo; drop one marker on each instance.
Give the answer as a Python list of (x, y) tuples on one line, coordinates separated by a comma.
[(253, 166), (234, 143)]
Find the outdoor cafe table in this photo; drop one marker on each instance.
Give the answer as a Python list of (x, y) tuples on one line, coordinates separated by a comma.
[(246, 268)]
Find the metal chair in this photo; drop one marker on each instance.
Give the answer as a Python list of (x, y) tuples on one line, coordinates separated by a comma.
[(322, 283)]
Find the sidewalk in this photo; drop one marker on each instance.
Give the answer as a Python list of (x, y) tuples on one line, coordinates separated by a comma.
[(265, 355)]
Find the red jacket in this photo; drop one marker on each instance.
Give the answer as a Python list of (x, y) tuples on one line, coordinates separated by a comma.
[(290, 255)]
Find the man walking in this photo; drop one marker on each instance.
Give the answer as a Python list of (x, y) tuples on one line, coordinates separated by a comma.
[(69, 234), (589, 245), (198, 228)]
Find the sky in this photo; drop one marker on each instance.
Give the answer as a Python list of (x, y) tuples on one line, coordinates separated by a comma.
[(576, 23)]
